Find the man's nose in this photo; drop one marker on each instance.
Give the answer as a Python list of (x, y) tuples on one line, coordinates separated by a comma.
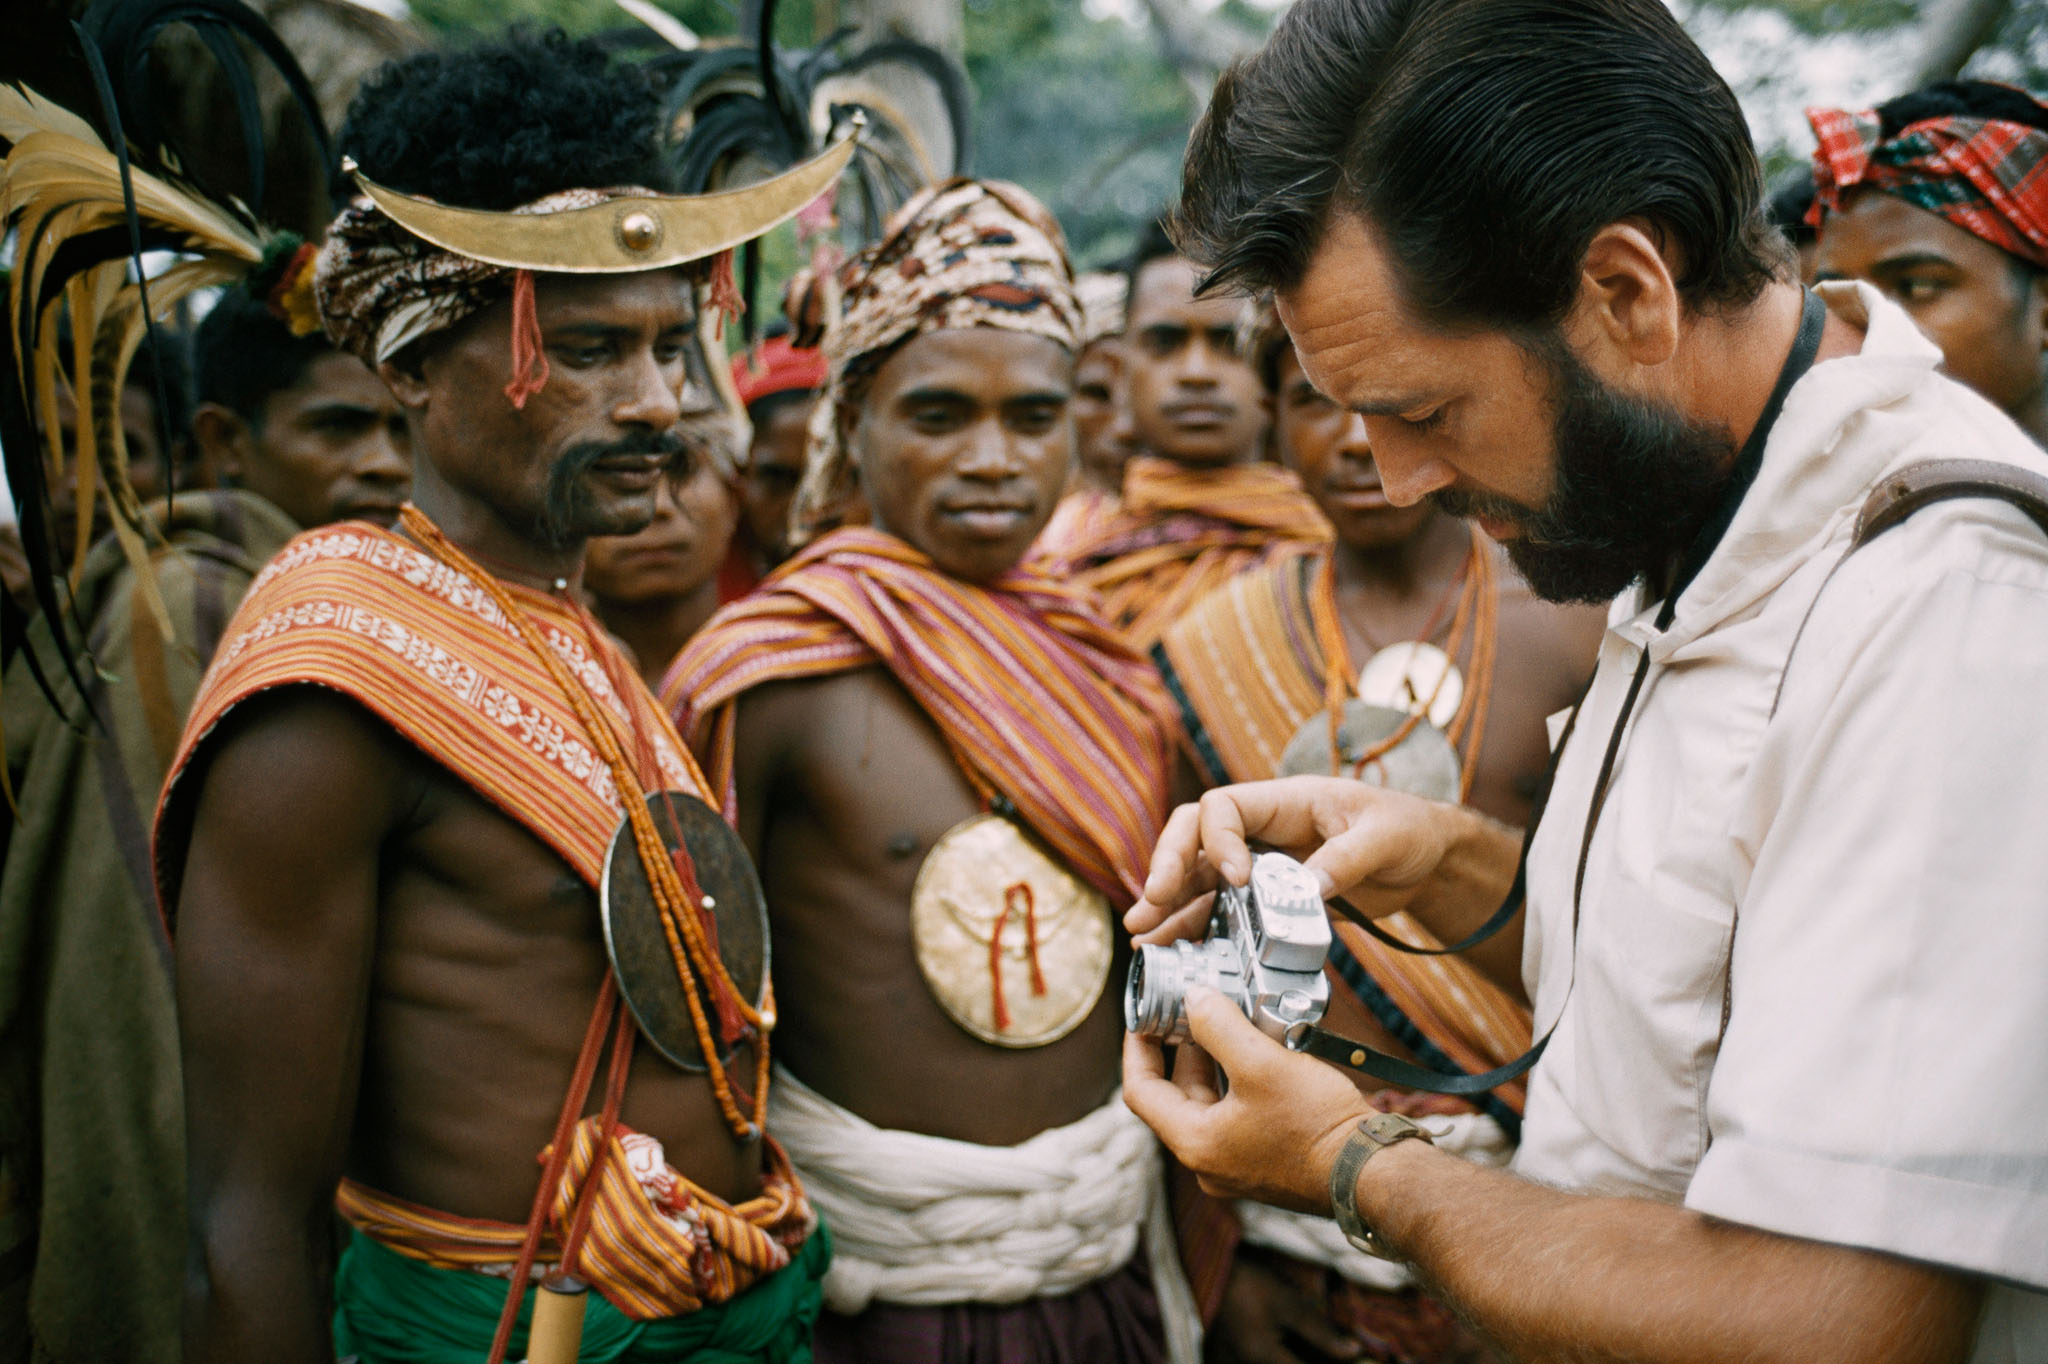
[(988, 452), (1200, 363), (380, 458), (1355, 442), (653, 396), (1407, 474)]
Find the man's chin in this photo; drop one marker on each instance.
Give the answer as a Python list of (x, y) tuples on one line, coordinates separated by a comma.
[(1569, 574)]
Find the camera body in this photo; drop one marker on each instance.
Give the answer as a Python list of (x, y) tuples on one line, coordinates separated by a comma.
[(1267, 943)]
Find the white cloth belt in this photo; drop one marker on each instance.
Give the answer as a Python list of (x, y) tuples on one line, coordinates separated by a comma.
[(924, 1221), (1317, 1240)]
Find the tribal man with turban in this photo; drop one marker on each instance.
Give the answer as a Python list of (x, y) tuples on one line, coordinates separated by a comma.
[(1940, 199), (951, 770), (1199, 505), (383, 837)]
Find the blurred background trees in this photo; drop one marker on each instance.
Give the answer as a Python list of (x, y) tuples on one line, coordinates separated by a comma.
[(1088, 102)]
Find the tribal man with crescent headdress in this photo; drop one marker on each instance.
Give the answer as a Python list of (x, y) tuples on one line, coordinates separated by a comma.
[(402, 787)]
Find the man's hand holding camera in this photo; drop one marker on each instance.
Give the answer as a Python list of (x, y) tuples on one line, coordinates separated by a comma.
[(1275, 1133)]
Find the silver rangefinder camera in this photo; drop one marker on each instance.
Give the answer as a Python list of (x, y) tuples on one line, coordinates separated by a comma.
[(1265, 950)]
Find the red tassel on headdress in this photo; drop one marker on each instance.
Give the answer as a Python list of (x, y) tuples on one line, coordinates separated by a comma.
[(529, 353), (725, 293)]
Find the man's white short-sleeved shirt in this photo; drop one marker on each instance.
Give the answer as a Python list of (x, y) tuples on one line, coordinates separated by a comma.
[(1848, 852)]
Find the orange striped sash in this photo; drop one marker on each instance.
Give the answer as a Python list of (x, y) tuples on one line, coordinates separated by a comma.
[(1040, 700), (367, 614), (1180, 533), (658, 1245)]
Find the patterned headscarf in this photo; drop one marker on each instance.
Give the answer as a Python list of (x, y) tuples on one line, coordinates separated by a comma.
[(1987, 176), (966, 253)]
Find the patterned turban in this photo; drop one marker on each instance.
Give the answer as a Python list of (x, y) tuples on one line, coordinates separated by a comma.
[(966, 253), (1987, 176)]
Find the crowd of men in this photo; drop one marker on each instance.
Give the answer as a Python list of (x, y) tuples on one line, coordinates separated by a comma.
[(316, 1037)]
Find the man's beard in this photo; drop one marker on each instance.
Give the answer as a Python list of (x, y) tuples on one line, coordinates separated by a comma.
[(1634, 483), (570, 515)]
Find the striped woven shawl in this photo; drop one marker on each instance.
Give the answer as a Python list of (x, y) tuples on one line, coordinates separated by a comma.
[(421, 645), (1181, 533), (1039, 699)]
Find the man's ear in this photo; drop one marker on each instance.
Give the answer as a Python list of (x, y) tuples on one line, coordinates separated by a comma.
[(225, 444), (1628, 302), (406, 378)]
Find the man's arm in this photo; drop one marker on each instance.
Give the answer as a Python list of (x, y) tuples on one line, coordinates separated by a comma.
[(1384, 851), (276, 933), (1550, 1275)]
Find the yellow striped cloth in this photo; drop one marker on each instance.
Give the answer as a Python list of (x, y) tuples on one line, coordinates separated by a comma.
[(657, 1246), (1182, 532), (1041, 701), (370, 615)]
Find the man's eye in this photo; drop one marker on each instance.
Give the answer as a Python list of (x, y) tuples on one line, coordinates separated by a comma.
[(1920, 289), (1094, 393), (1428, 421), (586, 355), (1036, 419)]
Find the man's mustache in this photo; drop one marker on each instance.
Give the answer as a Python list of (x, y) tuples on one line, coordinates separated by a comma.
[(577, 459)]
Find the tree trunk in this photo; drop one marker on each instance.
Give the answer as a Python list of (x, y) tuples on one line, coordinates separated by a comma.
[(1953, 33)]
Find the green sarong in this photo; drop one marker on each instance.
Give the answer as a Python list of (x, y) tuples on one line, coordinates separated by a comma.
[(391, 1309)]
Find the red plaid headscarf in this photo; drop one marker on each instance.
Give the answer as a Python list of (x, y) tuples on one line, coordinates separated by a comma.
[(1986, 175)]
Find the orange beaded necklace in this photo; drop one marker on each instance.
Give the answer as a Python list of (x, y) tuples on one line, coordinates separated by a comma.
[(1474, 627)]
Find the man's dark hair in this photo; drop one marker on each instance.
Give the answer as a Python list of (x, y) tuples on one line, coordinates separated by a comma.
[(1486, 142), (1155, 242), (1790, 200), (243, 353), (504, 123)]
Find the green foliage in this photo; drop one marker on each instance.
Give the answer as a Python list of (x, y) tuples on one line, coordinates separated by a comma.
[(1082, 112)]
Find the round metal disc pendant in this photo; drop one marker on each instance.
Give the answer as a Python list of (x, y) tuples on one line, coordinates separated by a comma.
[(1411, 676), (1422, 764), (1014, 947), (638, 946)]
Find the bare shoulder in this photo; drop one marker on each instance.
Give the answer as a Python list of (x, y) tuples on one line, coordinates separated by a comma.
[(296, 777)]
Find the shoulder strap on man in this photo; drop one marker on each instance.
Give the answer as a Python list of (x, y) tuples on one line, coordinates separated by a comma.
[(1902, 493)]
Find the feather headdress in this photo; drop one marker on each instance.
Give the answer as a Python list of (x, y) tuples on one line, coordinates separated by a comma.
[(84, 209), (742, 111)]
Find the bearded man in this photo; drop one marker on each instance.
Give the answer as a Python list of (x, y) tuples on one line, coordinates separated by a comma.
[(1940, 199), (1413, 642), (1199, 505), (382, 837), (1779, 920), (950, 770)]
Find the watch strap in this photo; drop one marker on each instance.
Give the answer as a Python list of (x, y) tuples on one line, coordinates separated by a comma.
[(1374, 1134)]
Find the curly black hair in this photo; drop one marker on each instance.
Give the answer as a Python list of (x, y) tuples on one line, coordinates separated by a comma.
[(506, 122), (1961, 99)]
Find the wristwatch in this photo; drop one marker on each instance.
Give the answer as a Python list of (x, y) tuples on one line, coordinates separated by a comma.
[(1374, 1134)]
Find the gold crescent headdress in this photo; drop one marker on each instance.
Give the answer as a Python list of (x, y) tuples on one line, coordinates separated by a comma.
[(629, 233)]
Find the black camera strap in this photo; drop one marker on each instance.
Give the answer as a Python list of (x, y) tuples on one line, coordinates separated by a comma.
[(1343, 1051)]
